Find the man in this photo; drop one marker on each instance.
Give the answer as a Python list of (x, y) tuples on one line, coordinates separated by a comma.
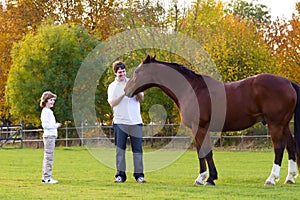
[(127, 121)]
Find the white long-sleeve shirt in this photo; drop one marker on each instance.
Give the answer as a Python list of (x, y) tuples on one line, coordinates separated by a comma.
[(48, 122)]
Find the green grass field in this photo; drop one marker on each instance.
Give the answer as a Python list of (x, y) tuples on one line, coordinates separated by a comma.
[(81, 176)]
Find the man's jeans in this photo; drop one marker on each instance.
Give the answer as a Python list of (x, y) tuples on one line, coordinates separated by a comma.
[(135, 134)]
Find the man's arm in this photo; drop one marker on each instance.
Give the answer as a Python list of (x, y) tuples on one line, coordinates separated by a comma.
[(116, 101)]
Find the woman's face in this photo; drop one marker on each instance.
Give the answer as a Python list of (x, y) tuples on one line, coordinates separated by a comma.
[(50, 103)]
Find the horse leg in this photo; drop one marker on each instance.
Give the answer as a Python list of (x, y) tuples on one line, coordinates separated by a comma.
[(279, 146), (291, 149), (202, 151), (203, 171), (213, 174)]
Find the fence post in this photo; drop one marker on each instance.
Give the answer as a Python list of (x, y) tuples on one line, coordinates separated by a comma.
[(152, 133), (82, 139), (242, 137), (21, 134), (67, 135)]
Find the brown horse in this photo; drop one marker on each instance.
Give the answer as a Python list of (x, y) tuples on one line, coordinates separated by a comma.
[(206, 104)]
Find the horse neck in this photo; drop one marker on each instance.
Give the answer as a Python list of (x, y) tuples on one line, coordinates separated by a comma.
[(179, 87), (178, 83), (170, 94)]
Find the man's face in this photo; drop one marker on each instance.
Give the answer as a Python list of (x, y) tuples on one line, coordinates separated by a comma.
[(121, 74)]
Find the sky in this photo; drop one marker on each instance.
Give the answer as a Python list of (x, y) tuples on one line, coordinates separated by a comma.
[(280, 8)]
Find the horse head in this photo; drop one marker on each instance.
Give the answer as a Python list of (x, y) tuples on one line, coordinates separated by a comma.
[(141, 78)]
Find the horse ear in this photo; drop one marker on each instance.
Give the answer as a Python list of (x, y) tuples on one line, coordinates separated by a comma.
[(147, 59)]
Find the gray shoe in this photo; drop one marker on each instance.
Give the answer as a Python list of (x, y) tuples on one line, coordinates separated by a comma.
[(141, 180), (49, 181)]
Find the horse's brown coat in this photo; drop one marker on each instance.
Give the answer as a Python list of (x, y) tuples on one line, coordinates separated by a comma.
[(265, 97)]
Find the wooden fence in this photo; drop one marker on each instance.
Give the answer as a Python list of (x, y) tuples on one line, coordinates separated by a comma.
[(154, 135)]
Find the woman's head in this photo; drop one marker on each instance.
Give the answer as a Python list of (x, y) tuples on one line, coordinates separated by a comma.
[(45, 97)]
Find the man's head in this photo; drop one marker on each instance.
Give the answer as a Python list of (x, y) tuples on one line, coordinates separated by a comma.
[(119, 69)]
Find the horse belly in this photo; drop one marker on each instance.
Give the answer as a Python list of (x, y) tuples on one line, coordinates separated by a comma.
[(239, 123), (242, 111)]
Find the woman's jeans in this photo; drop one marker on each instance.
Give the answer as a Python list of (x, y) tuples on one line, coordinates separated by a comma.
[(49, 145)]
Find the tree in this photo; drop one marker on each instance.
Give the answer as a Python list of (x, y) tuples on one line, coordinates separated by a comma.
[(234, 44), (284, 42), (135, 14), (138, 14), (251, 11), (47, 60), (16, 19), (20, 17), (152, 96)]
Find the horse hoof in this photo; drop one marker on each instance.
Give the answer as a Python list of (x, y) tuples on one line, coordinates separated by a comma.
[(210, 184), (269, 183), (289, 182), (198, 183)]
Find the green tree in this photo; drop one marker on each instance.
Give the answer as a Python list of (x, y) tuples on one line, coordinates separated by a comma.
[(249, 10), (47, 60), (152, 96)]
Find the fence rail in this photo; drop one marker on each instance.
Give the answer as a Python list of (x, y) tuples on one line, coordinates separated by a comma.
[(154, 133)]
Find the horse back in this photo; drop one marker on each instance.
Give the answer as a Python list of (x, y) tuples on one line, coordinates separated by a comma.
[(273, 90)]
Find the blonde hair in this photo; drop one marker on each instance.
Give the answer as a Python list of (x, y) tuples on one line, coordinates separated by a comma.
[(45, 96)]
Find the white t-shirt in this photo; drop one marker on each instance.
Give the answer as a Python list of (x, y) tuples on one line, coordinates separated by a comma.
[(48, 122), (128, 110)]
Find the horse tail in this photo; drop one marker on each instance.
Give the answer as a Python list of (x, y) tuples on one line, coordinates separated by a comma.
[(297, 122)]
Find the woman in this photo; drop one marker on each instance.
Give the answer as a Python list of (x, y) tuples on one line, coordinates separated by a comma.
[(50, 127)]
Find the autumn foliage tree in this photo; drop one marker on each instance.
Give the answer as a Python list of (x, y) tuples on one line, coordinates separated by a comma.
[(101, 18), (283, 38), (17, 18), (233, 43), (236, 39)]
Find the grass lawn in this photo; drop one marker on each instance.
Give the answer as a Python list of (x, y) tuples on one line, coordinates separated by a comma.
[(81, 176)]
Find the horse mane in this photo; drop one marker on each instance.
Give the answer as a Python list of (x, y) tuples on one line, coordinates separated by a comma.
[(184, 70)]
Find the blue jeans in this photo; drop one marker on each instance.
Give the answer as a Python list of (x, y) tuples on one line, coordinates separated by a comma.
[(135, 134)]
